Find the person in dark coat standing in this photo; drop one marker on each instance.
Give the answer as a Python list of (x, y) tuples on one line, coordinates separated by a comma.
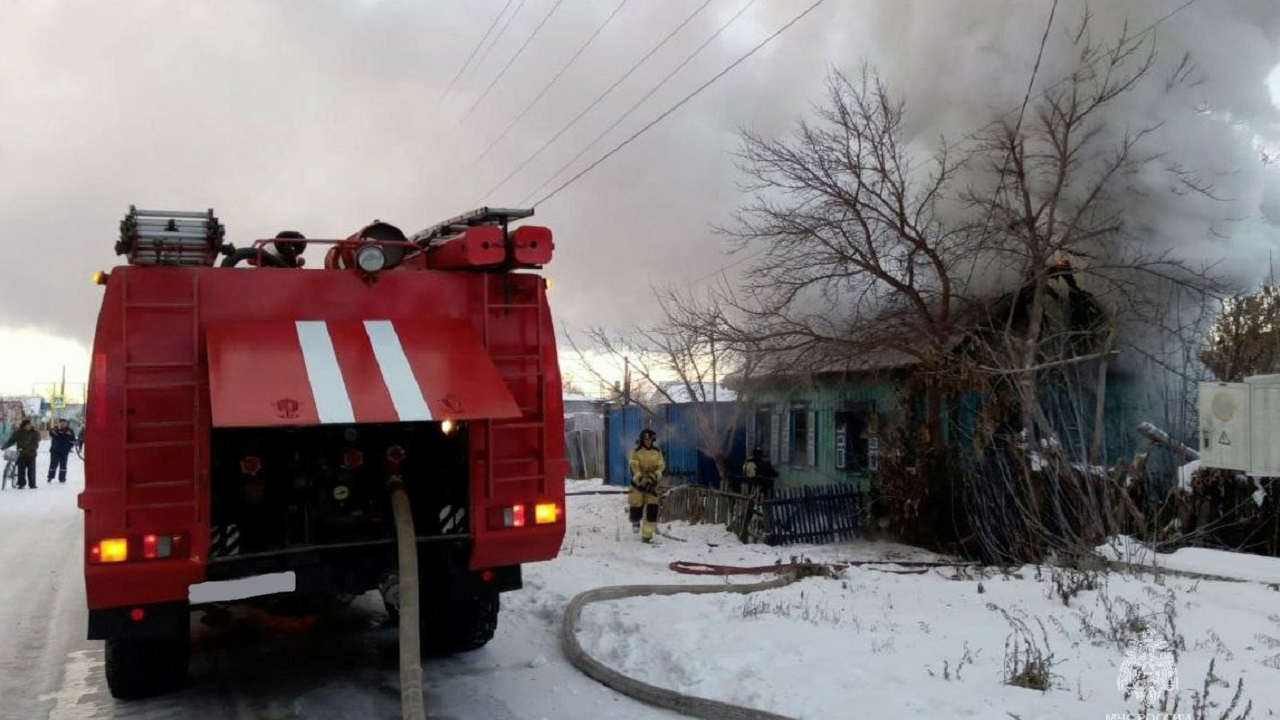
[(27, 439), (759, 473), (62, 440)]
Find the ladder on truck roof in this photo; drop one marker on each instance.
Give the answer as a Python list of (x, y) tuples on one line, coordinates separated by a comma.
[(481, 216)]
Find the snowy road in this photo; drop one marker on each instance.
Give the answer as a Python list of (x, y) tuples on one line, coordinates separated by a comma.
[(260, 668), (41, 593)]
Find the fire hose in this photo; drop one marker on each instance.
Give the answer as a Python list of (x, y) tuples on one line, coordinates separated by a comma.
[(411, 702), (652, 694), (691, 705)]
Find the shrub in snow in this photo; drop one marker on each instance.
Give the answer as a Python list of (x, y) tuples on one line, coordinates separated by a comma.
[(1028, 661)]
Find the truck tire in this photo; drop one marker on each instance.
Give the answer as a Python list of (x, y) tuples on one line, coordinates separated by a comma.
[(459, 626), (143, 667)]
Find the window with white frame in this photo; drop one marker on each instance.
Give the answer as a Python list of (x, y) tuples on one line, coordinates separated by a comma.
[(801, 433), (762, 431)]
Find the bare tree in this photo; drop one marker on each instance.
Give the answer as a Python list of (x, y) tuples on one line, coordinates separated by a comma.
[(855, 256), (1059, 217), (1013, 265)]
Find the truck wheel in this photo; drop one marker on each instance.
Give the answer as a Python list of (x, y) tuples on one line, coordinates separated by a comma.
[(460, 626), (143, 667)]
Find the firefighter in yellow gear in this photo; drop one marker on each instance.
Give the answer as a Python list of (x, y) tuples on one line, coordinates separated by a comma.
[(647, 465), (759, 474)]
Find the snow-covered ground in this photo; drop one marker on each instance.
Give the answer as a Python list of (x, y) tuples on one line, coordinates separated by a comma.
[(868, 643)]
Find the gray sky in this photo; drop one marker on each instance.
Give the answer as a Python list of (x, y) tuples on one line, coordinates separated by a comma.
[(321, 115)]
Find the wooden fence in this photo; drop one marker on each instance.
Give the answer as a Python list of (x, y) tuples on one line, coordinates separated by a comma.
[(700, 504), (829, 513), (808, 514)]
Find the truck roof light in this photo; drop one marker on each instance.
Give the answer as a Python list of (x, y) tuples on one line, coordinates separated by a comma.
[(371, 258)]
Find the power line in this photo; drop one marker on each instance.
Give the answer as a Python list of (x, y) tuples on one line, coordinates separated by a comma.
[(498, 38), (474, 50), (599, 98), (680, 104), (553, 81), (641, 101), (503, 71)]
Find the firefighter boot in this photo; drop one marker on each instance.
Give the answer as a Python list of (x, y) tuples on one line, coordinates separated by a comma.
[(649, 526), (647, 533)]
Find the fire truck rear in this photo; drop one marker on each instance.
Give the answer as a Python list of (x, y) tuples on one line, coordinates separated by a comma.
[(246, 417)]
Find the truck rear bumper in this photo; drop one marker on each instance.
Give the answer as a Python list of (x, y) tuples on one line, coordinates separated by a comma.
[(170, 619), (361, 567)]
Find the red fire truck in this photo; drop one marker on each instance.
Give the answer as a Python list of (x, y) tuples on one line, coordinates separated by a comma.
[(244, 418)]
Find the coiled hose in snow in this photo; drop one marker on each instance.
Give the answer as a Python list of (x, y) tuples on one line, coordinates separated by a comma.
[(411, 704), (652, 694)]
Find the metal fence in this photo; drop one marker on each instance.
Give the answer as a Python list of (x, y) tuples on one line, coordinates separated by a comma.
[(677, 429), (584, 445), (809, 514)]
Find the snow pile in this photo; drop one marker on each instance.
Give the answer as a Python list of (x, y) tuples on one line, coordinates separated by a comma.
[(1242, 566), (922, 645)]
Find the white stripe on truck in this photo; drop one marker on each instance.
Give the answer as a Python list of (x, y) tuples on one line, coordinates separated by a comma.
[(333, 405), (396, 372)]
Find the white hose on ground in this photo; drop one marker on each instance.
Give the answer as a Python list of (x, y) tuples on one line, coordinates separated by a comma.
[(411, 704), (642, 691)]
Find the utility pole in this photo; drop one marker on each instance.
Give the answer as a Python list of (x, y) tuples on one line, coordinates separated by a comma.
[(715, 389), (626, 382)]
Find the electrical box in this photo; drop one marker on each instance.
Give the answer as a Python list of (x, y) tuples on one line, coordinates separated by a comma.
[(1224, 425), (1264, 424), (1239, 423)]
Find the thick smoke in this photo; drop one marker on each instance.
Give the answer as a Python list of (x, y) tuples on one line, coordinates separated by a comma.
[(323, 115)]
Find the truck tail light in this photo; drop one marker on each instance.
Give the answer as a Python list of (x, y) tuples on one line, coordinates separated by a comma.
[(513, 516), (153, 547), (545, 513), (111, 550), (521, 515), (161, 546)]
